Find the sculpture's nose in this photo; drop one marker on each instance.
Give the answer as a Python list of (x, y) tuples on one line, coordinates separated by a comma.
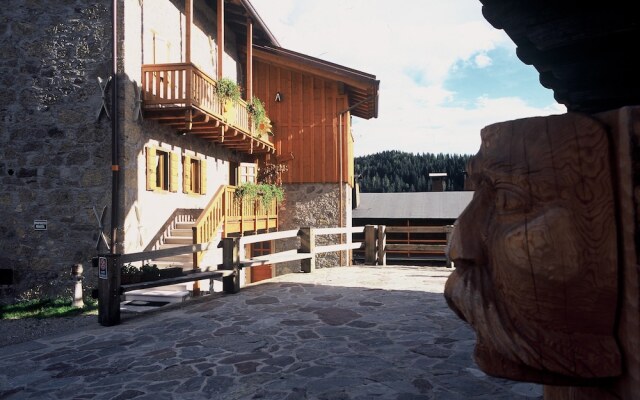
[(465, 243)]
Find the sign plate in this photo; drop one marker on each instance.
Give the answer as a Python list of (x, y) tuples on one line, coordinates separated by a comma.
[(40, 224), (102, 267)]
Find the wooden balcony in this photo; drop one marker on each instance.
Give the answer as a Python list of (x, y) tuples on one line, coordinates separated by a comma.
[(184, 97), (248, 215)]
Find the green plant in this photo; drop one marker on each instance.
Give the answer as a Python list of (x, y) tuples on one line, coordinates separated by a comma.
[(227, 89), (47, 308), (264, 191), (150, 272), (128, 269), (257, 111)]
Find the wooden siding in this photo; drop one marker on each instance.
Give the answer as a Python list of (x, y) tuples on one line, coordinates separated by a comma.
[(305, 123)]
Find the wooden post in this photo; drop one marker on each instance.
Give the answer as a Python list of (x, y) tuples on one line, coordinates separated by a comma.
[(307, 245), (188, 13), (249, 83), (108, 289), (382, 243), (220, 37), (230, 262), (370, 245), (448, 229)]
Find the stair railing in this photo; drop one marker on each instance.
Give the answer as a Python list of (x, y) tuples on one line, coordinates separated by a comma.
[(208, 223)]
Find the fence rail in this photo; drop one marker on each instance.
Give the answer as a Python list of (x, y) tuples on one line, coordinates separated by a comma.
[(233, 259)]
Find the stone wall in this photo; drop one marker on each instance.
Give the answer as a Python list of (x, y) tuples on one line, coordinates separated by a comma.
[(314, 205), (55, 157)]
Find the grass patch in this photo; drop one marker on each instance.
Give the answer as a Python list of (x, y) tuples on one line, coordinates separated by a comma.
[(49, 308)]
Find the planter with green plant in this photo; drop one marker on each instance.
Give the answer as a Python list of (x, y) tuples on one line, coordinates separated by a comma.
[(259, 117), (229, 92), (171, 272), (264, 192), (130, 274)]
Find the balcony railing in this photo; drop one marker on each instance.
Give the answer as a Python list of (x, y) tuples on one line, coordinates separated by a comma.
[(235, 215), (183, 96)]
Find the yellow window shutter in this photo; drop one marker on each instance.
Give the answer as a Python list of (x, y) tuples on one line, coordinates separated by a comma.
[(186, 174), (151, 168), (203, 176), (173, 171)]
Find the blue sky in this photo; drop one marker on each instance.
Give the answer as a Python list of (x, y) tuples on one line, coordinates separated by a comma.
[(444, 71)]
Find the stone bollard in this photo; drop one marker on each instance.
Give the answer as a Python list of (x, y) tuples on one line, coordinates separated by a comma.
[(76, 276)]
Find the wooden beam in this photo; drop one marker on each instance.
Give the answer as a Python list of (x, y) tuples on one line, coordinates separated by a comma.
[(220, 37), (188, 12), (249, 78)]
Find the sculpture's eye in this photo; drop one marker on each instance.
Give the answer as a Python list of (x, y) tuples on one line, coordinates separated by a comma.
[(510, 201)]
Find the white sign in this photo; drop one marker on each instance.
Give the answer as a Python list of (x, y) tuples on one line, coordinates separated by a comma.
[(102, 267), (40, 224)]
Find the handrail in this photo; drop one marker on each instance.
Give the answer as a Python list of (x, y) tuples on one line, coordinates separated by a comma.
[(209, 222)]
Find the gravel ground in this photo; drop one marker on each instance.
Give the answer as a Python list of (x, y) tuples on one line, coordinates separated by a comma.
[(14, 331)]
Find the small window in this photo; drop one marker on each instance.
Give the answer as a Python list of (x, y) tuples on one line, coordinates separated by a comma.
[(162, 170), (247, 173), (195, 177)]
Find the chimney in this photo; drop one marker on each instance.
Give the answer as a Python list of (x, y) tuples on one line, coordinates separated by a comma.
[(437, 181)]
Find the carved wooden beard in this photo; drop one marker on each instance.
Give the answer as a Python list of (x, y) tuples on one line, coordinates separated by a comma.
[(535, 252)]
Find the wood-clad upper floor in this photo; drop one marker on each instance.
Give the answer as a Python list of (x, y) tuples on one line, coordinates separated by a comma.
[(310, 102)]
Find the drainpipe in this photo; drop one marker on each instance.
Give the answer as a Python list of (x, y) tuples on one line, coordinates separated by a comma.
[(115, 139)]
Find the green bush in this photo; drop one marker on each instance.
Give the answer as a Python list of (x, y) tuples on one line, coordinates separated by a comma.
[(263, 191), (227, 89)]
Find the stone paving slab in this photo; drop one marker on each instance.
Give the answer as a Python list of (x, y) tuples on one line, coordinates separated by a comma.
[(341, 333)]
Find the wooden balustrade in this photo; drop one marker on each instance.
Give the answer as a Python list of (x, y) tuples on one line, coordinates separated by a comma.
[(238, 217), (183, 96), (208, 223)]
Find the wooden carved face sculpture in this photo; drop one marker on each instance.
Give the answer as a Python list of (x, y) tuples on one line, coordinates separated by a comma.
[(535, 252)]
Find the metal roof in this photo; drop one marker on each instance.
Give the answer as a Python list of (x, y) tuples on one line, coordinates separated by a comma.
[(422, 205)]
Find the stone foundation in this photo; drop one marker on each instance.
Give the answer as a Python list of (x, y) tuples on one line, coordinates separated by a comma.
[(313, 205)]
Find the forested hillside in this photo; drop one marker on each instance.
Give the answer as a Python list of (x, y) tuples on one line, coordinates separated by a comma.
[(396, 171)]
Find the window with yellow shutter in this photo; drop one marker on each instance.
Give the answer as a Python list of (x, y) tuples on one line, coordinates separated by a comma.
[(162, 170), (194, 175)]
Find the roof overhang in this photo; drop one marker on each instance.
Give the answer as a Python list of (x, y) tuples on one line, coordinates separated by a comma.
[(236, 14), (582, 50), (361, 88)]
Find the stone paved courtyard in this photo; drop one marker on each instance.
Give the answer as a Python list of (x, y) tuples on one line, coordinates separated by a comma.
[(340, 333)]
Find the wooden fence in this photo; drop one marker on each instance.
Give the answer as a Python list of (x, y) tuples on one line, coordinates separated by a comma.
[(233, 260)]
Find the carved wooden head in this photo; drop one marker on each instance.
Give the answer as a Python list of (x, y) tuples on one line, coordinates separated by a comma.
[(535, 252)]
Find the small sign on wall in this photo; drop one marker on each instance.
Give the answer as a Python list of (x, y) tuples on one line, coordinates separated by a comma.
[(102, 267), (40, 224)]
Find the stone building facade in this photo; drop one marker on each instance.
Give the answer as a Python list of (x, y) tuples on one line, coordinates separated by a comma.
[(56, 134), (55, 153)]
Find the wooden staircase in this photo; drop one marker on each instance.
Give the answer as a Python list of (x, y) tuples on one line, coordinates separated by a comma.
[(224, 215), (179, 234)]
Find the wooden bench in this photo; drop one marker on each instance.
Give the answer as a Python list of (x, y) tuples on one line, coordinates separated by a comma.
[(188, 277)]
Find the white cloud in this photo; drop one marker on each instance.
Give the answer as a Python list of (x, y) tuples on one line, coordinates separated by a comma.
[(482, 60), (411, 46)]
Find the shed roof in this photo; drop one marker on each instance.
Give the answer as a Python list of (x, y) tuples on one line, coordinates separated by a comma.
[(420, 205)]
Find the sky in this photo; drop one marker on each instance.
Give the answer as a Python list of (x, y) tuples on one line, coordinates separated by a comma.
[(444, 71)]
